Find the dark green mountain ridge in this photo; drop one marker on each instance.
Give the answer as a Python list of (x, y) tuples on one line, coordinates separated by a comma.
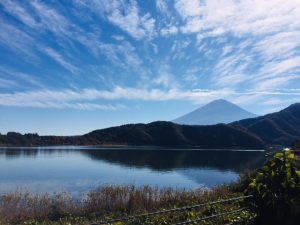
[(280, 128)]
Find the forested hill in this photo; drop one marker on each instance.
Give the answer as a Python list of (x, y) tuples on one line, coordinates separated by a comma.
[(171, 134), (282, 127), (152, 134), (277, 128)]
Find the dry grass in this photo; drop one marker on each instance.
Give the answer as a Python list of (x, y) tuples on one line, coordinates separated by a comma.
[(105, 202)]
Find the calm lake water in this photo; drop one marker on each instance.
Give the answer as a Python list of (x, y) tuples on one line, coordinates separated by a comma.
[(80, 169)]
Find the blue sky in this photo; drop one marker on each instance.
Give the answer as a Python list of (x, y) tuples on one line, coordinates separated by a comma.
[(68, 67)]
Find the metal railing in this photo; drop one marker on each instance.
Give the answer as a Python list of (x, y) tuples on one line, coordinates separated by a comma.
[(180, 209)]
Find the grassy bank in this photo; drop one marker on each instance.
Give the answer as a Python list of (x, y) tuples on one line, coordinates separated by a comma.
[(110, 202)]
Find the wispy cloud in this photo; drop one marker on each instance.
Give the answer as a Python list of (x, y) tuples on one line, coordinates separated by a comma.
[(250, 17), (188, 8), (162, 6), (50, 19), (190, 11), (18, 79), (275, 82), (278, 67), (125, 15), (122, 54), (265, 54), (55, 99), (279, 46), (60, 60), (66, 98), (192, 76), (20, 12), (165, 78), (169, 30), (5, 83), (41, 19), (16, 40), (129, 20), (230, 47), (87, 98)]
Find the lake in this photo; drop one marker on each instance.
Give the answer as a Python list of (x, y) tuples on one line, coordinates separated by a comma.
[(80, 169)]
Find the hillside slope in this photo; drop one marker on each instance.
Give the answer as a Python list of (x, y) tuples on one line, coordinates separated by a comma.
[(170, 134), (282, 127), (153, 134)]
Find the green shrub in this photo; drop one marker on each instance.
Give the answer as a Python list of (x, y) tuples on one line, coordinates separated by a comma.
[(276, 191)]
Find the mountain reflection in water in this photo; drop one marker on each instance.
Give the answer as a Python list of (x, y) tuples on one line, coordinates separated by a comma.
[(161, 160), (80, 169)]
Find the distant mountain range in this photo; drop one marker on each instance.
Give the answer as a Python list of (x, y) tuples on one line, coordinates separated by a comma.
[(170, 134), (281, 128), (218, 111)]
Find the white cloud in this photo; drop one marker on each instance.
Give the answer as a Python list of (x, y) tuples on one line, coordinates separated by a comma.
[(66, 99), (165, 78), (279, 46), (169, 30), (278, 102), (64, 29), (162, 6), (19, 79), (179, 46), (44, 18), (118, 37), (19, 11), (61, 60), (275, 68), (227, 49), (266, 51), (5, 83), (62, 105), (87, 98), (230, 79), (26, 40), (193, 25), (231, 70), (121, 55), (251, 16), (268, 101), (190, 77), (188, 8), (17, 41), (275, 82), (190, 11), (71, 98), (50, 19), (262, 53), (125, 15), (256, 17)]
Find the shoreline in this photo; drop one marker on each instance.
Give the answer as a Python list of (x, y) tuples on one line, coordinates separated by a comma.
[(129, 147)]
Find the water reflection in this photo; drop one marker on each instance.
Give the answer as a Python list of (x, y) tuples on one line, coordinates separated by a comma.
[(237, 161), (79, 169)]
